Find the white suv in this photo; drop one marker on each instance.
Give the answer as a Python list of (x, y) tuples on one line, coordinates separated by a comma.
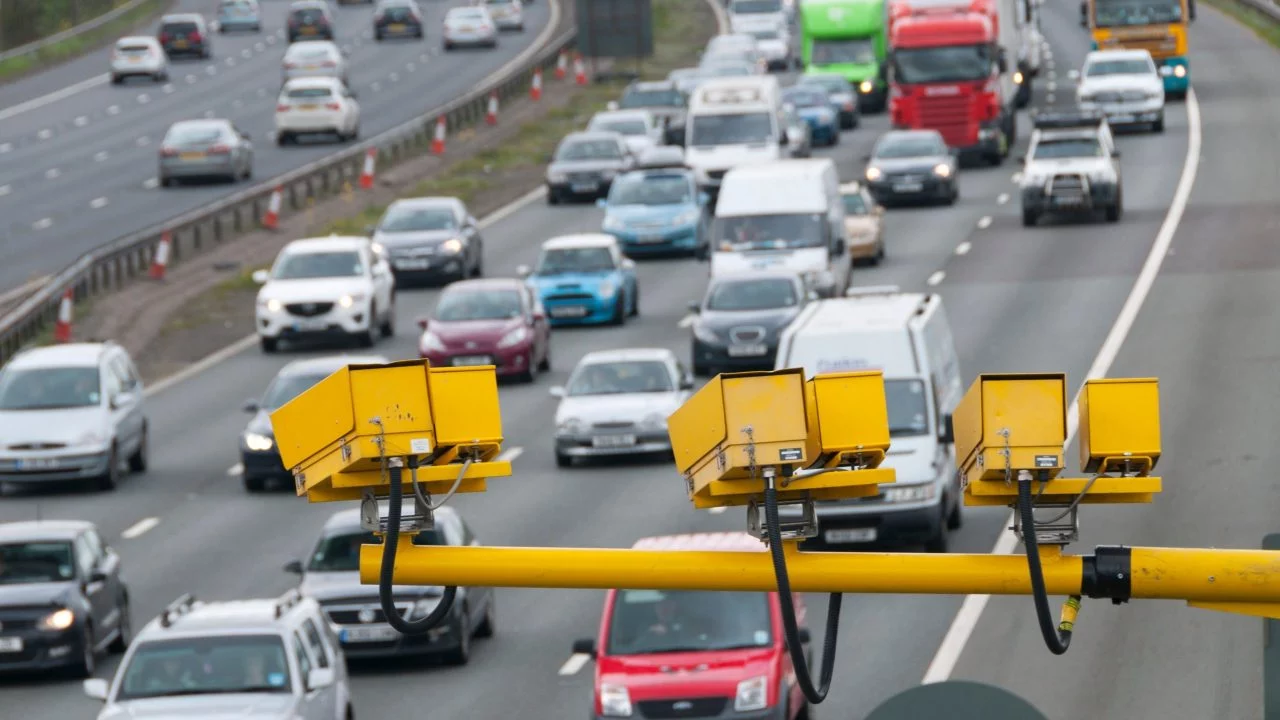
[(1124, 85), (332, 286), (272, 659), (139, 56)]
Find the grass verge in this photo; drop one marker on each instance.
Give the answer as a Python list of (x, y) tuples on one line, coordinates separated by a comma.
[(14, 68), (1262, 24)]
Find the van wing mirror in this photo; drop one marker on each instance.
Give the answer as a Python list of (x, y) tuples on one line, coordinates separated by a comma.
[(584, 646), (947, 431), (803, 634)]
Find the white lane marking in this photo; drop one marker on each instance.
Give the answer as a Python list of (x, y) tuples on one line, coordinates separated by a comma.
[(1051, 98), (376, 86), (259, 47), (574, 664), (512, 207), (262, 92), (423, 57), (246, 53), (687, 320), (984, 222), (410, 67), (718, 510), (168, 88), (1073, 74), (151, 183), (5, 190), (231, 62), (81, 121), (100, 156), (1002, 198), (45, 134), (53, 97), (24, 289), (1017, 178), (237, 103), (966, 620), (510, 454), (235, 470), (140, 528), (113, 109), (1052, 86), (191, 371), (144, 98), (5, 147), (191, 79), (52, 173), (143, 140), (211, 70), (208, 113), (394, 77), (964, 248), (279, 33), (936, 278), (42, 224), (98, 203)]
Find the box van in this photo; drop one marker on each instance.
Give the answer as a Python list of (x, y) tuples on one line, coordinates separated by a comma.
[(685, 654), (733, 121), (906, 335), (784, 215), (752, 16)]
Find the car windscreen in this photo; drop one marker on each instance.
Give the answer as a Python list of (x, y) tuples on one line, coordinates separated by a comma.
[(666, 621), (755, 7), (340, 552), (956, 63), (212, 664), (622, 127), (589, 150), (1119, 13), (910, 147), (769, 232), (464, 305), (49, 388), (908, 410), (133, 49), (766, 35), (830, 84), (736, 129), (651, 190), (310, 265), (752, 294), (614, 378), (815, 98), (464, 15), (1084, 147), (418, 219), (194, 134), (652, 98), (396, 13), (856, 51), (286, 387), (308, 52), (22, 563), (570, 260), (179, 28), (1102, 68), (855, 204)]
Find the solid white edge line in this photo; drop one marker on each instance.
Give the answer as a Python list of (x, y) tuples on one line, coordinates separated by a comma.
[(575, 663), (937, 277), (24, 289), (510, 454), (235, 470), (140, 527), (53, 97), (966, 620)]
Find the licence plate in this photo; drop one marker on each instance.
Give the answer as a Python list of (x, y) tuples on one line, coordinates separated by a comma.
[(413, 264), (465, 28), (10, 644), (747, 350), (850, 535), (308, 107), (310, 325), (650, 239), (135, 59), (469, 360), (1068, 201), (613, 441), (192, 156), (570, 311), (178, 44), (1123, 117), (398, 27), (308, 31), (585, 187), (39, 464), (908, 187), (377, 633)]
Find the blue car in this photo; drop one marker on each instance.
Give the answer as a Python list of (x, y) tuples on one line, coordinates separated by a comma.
[(656, 211), (814, 107), (239, 15), (584, 280)]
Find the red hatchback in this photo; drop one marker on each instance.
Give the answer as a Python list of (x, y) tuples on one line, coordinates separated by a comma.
[(695, 655), (490, 321)]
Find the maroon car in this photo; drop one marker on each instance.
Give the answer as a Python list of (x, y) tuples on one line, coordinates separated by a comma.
[(490, 321)]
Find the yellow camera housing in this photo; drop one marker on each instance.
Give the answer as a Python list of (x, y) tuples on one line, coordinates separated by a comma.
[(331, 437), (1120, 425), (1030, 407), (727, 434)]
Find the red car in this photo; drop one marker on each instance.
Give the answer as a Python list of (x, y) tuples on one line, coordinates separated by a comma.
[(490, 321), (687, 654)]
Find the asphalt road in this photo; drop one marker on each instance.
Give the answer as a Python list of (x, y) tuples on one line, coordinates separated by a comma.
[(1019, 300), (79, 170)]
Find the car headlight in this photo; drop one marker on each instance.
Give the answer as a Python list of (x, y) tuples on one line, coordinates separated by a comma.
[(753, 694), (1017, 77), (57, 620), (942, 170), (91, 438), (451, 246), (570, 426), (1179, 71), (654, 421), (1101, 177), (612, 222), (349, 299), (258, 442), (615, 701), (556, 177), (688, 216), (874, 174), (705, 334), (430, 343), (423, 607), (607, 289), (272, 305), (818, 278), (515, 337), (910, 493), (866, 86)]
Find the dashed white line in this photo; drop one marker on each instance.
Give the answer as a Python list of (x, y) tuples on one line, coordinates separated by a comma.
[(687, 320), (279, 33), (45, 134), (208, 113), (1002, 198), (98, 203), (376, 86), (394, 77), (5, 190), (262, 92), (1050, 98), (42, 224), (5, 147), (168, 89), (151, 183), (52, 173), (718, 510), (1052, 86), (143, 140), (144, 98), (1017, 178), (936, 278), (510, 454), (271, 39), (246, 53), (191, 79), (140, 528), (964, 248), (235, 470), (1073, 74), (211, 70), (574, 664), (237, 103), (231, 62), (410, 67), (100, 156), (81, 121), (113, 109), (423, 57), (984, 222), (259, 47)]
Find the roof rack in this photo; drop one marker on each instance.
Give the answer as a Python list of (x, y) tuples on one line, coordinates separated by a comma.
[(1069, 119), (286, 602), (177, 608), (866, 290)]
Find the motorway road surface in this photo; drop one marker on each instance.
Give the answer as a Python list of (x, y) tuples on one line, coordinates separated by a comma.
[(1020, 300), (79, 170)]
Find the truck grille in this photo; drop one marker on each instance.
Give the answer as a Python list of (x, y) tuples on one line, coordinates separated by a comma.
[(351, 616), (949, 116), (745, 335), (690, 708), (309, 309), (1158, 46), (584, 177), (1069, 187), (1119, 96), (613, 425)]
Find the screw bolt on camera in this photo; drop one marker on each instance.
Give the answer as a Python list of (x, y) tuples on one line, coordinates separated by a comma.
[(370, 161)]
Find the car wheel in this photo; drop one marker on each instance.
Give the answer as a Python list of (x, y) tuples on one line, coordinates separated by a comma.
[(487, 625), (252, 483), (635, 303), (553, 197), (1116, 210), (370, 336), (879, 258), (111, 478), (531, 367), (563, 460), (116, 80), (1029, 218), (545, 365), (283, 139), (269, 345), (87, 663), (619, 310), (1158, 125), (378, 37), (939, 543), (461, 655), (388, 327), (124, 632), (955, 519), (138, 461), (478, 269)]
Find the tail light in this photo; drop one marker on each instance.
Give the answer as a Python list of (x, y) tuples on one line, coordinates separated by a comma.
[(219, 150), (328, 64), (168, 152), (283, 107), (194, 36), (164, 37), (379, 17), (332, 106), (290, 65)]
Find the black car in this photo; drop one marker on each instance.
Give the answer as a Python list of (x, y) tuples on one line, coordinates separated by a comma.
[(62, 600), (741, 317), (331, 575), (184, 34), (397, 18), (585, 164), (259, 457), (913, 165), (310, 20)]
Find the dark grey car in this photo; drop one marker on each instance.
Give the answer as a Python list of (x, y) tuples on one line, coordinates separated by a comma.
[(431, 239), (198, 149), (585, 164), (913, 165), (740, 318), (331, 575)]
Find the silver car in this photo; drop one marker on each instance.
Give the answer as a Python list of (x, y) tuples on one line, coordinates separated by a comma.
[(139, 56), (314, 58), (267, 659), (204, 149), (469, 26), (508, 14), (71, 412), (617, 403)]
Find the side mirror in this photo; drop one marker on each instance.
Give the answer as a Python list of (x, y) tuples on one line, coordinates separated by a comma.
[(813, 295), (524, 271), (370, 230), (803, 634), (837, 247), (866, 158), (703, 198), (686, 383), (602, 203), (97, 576), (261, 276), (549, 158), (613, 105), (947, 433), (556, 391), (1166, 71), (293, 566), (628, 264), (584, 646), (319, 678), (1115, 153), (251, 406), (695, 307), (423, 322), (96, 688), (352, 94)]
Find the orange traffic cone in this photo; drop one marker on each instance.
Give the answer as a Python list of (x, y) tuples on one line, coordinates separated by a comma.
[(271, 220), (562, 65), (160, 261), (62, 329), (491, 117), (437, 143), (579, 71), (366, 175), (535, 90)]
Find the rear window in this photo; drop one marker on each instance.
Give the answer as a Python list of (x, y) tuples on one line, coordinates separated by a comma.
[(193, 134), (179, 27), (311, 92), (465, 14), (308, 14), (133, 49), (311, 53)]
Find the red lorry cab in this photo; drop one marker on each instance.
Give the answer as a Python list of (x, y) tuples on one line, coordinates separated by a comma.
[(692, 654)]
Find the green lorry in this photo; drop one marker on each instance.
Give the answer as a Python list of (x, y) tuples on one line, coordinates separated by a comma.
[(847, 37)]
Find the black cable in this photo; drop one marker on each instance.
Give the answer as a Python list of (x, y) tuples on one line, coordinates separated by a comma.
[(1057, 640), (407, 627), (814, 695)]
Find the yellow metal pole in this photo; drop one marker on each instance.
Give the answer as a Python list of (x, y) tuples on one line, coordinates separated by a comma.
[(1208, 575)]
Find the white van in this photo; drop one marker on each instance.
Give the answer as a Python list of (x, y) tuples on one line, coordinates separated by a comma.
[(906, 335), (787, 215), (752, 16), (733, 121)]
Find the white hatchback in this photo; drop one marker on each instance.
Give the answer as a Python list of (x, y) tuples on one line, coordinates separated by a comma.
[(315, 58), (139, 56), (470, 26), (318, 105)]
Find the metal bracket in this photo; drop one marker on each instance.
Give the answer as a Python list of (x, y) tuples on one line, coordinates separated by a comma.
[(411, 520), (1054, 524), (791, 528)]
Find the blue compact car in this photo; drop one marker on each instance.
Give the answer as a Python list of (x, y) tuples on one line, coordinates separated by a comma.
[(813, 105), (239, 15), (657, 211), (584, 280)]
